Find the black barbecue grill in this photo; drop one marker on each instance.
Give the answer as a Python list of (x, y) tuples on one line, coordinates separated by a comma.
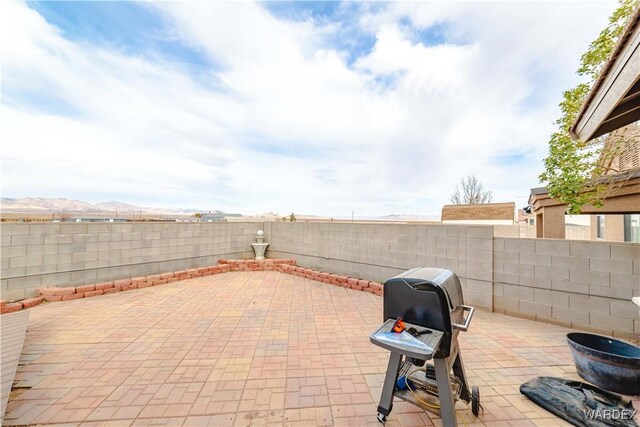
[(430, 302)]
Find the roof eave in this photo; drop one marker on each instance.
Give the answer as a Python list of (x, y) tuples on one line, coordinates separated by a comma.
[(579, 129)]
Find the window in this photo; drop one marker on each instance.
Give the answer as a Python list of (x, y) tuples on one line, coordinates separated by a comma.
[(600, 226), (632, 228), (531, 221)]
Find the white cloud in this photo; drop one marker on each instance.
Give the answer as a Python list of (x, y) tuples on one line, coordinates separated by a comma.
[(296, 128)]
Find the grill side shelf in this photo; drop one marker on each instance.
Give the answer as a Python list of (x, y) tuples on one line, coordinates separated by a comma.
[(432, 340)]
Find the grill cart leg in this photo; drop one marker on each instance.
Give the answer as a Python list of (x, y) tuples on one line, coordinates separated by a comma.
[(386, 399), (445, 395), (458, 371)]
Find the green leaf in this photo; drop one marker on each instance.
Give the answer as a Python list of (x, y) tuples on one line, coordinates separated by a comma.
[(571, 165)]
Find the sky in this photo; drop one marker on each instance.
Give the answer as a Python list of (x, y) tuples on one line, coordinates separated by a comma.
[(309, 107)]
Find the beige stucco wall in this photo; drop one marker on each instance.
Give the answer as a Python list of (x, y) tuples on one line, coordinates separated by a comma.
[(613, 228), (550, 222)]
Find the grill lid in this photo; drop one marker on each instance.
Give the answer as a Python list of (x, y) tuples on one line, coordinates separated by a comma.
[(425, 278), (428, 297)]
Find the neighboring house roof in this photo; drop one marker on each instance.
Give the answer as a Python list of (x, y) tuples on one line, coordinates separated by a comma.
[(624, 200), (485, 211), (614, 99)]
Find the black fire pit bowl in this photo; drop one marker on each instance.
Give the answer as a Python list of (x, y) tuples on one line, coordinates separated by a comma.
[(609, 363)]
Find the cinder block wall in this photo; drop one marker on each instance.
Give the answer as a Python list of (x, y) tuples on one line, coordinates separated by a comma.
[(515, 230), (586, 285), (380, 251), (69, 254)]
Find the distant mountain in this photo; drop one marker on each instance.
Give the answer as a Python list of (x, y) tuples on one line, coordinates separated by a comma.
[(38, 204), (44, 205), (407, 217), (114, 205)]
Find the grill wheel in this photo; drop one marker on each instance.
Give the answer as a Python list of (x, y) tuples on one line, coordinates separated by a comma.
[(475, 400)]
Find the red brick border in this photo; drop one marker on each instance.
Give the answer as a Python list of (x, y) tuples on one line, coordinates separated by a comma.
[(52, 294), (320, 276)]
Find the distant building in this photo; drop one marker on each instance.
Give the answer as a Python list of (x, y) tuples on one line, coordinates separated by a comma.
[(485, 213), (95, 219), (213, 217), (527, 218), (616, 228)]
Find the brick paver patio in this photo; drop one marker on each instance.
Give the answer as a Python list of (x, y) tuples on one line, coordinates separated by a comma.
[(254, 348)]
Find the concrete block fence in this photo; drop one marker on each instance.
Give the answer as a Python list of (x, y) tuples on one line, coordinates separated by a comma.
[(380, 251), (586, 285), (69, 254)]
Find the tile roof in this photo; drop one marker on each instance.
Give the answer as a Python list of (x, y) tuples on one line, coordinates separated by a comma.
[(486, 211)]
